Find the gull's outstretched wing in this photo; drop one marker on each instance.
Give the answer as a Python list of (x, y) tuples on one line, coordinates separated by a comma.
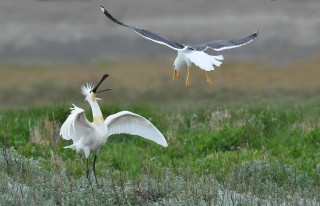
[(76, 126), (219, 45), (131, 123), (146, 34)]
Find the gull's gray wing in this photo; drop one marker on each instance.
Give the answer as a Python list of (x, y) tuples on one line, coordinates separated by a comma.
[(219, 45), (146, 34)]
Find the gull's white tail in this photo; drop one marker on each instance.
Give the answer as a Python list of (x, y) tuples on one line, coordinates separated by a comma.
[(203, 60), (216, 60)]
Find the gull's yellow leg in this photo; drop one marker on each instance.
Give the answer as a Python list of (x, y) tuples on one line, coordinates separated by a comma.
[(209, 80), (187, 80), (175, 74)]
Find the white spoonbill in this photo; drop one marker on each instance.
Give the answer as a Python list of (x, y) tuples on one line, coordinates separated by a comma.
[(91, 136), (187, 53)]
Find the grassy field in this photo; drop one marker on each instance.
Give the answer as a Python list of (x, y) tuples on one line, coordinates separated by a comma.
[(252, 138)]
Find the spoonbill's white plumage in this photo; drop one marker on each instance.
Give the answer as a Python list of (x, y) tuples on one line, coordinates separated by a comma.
[(89, 137), (188, 54)]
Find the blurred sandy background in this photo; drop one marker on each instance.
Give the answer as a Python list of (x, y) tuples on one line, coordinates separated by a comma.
[(48, 48)]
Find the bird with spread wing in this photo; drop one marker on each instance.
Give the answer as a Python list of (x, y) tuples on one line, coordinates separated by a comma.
[(188, 54), (91, 136)]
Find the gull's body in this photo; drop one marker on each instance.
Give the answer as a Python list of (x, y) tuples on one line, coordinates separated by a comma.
[(89, 137), (188, 54)]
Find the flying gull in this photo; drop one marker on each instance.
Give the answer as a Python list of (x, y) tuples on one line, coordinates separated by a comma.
[(188, 54)]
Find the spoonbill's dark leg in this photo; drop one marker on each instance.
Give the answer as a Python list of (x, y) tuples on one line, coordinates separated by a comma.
[(88, 170), (94, 168)]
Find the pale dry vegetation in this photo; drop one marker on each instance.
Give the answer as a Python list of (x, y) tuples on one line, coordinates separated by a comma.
[(134, 82)]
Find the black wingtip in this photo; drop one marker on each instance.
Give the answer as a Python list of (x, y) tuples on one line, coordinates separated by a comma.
[(102, 9), (112, 18), (256, 33)]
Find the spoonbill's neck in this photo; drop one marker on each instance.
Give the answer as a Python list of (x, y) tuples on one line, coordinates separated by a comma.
[(96, 112)]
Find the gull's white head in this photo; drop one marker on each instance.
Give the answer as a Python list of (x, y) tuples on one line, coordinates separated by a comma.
[(90, 90)]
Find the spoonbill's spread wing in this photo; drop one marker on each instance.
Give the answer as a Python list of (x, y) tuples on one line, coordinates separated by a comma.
[(76, 126), (131, 123), (146, 34), (219, 45)]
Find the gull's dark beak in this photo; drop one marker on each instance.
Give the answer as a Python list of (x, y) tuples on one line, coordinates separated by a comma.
[(94, 90)]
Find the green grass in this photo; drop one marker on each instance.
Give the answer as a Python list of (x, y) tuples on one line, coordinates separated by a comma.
[(246, 153)]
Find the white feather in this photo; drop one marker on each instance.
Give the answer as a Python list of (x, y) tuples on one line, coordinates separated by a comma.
[(231, 47), (203, 60), (134, 124), (160, 42), (76, 125)]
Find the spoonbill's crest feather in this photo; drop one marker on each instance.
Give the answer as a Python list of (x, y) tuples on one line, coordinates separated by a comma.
[(134, 124), (86, 90), (76, 126)]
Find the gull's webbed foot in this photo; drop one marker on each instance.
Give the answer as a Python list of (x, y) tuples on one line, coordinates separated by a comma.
[(187, 80), (209, 80), (175, 74), (187, 83)]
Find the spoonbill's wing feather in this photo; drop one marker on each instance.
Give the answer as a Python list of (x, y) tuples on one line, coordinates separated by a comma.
[(219, 45), (131, 123), (145, 33), (203, 60), (76, 126)]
